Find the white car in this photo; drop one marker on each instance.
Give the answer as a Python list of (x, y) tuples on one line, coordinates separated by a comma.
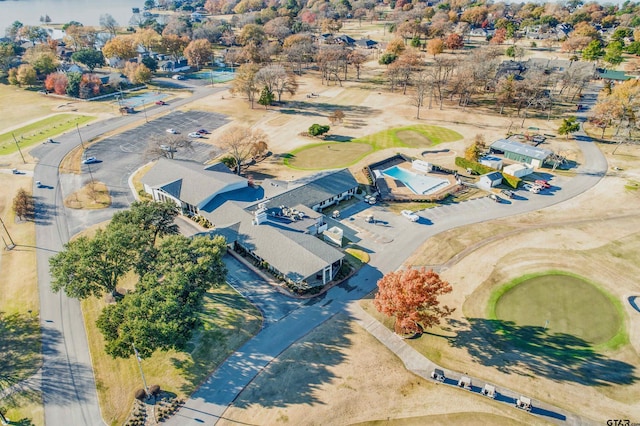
[(410, 215), (195, 135), (172, 131), (178, 77), (90, 160), (532, 188)]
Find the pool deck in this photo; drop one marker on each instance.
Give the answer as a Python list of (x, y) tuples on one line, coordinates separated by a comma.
[(393, 190)]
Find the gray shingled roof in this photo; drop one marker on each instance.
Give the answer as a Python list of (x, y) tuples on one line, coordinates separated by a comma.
[(190, 181), (316, 189), (295, 254), (506, 145)]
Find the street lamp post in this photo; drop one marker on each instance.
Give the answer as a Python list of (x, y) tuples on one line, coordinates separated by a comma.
[(144, 381), (7, 246), (19, 150)]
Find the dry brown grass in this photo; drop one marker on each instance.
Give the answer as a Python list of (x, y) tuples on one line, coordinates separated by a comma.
[(94, 195), (340, 374)]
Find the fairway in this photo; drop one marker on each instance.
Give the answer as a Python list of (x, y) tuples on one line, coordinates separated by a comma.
[(342, 154), (564, 304), (40, 130)]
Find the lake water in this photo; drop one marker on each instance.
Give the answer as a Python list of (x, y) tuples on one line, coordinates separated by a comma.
[(86, 12)]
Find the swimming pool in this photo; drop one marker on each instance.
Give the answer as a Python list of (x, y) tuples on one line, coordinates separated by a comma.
[(418, 184)]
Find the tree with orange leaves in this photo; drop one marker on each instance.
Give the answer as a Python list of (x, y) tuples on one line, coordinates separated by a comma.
[(411, 296)]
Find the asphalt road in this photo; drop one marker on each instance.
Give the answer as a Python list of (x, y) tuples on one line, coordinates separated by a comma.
[(68, 385), (392, 240)]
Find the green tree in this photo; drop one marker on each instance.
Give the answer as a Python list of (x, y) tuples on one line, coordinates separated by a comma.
[(613, 53), (568, 126), (7, 55), (266, 97), (150, 63), (73, 83), (164, 309), (91, 266), (387, 58), (318, 130), (89, 57), (593, 51)]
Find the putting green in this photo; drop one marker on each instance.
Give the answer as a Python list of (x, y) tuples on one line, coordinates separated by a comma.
[(563, 304), (330, 155)]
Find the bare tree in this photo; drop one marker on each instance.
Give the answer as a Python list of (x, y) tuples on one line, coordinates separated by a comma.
[(109, 24), (166, 146), (277, 79), (422, 83), (242, 143)]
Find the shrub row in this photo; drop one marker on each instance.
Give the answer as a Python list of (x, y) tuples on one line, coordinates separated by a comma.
[(480, 169)]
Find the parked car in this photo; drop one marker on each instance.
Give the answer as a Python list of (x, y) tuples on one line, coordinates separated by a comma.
[(532, 188), (39, 184), (178, 77), (90, 160), (203, 132), (195, 135), (172, 131), (161, 103), (542, 183), (370, 199), (15, 171), (507, 193), (495, 198), (410, 215)]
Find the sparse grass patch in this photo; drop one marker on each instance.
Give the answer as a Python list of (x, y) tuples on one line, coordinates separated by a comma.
[(359, 254), (94, 195), (136, 180)]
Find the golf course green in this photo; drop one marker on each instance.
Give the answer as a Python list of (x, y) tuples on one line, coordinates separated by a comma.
[(561, 304)]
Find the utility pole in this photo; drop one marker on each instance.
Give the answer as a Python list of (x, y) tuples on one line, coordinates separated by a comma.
[(19, 150), (144, 109), (144, 382), (83, 147), (7, 246)]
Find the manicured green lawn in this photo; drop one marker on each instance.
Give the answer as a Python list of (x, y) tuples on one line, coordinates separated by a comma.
[(41, 130), (560, 304), (320, 156)]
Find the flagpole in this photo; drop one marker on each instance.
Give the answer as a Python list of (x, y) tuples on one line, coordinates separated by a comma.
[(144, 382)]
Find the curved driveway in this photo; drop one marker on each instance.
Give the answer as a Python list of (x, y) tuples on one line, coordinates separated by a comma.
[(210, 401), (68, 385)]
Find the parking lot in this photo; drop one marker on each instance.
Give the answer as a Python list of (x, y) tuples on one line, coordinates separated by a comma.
[(118, 156)]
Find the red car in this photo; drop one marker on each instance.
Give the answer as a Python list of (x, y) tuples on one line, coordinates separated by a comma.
[(161, 103), (543, 183)]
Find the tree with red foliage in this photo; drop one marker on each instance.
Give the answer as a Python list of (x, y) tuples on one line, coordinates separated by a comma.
[(411, 296), (454, 41), (499, 36), (56, 82)]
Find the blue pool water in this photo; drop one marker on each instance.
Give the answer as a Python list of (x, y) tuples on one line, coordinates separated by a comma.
[(419, 184)]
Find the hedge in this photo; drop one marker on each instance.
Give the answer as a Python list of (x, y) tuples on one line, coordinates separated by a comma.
[(480, 169), (510, 180)]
